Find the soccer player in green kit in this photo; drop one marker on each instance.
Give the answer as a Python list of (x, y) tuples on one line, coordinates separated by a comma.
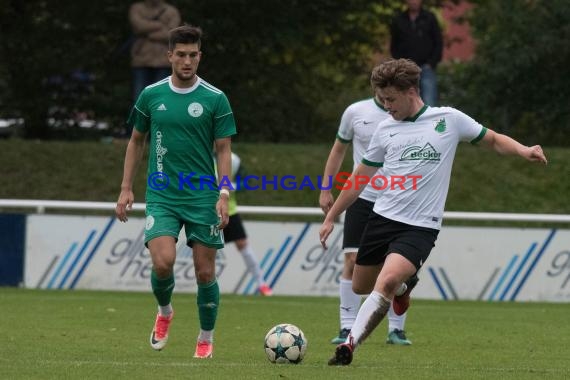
[(185, 116)]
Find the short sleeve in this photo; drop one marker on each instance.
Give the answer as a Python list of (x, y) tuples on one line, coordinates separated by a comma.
[(224, 122), (376, 151), (469, 129), (346, 129), (140, 114)]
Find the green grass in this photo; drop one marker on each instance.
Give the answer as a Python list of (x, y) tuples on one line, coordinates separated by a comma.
[(81, 334), (92, 171)]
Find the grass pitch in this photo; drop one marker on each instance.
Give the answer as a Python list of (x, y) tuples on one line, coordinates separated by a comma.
[(104, 335)]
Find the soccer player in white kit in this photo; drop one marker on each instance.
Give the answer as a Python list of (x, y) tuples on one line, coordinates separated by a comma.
[(415, 148), (357, 125)]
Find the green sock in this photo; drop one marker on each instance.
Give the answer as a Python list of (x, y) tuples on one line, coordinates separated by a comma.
[(208, 300), (162, 288)]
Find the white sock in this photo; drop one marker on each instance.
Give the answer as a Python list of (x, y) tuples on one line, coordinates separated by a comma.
[(371, 313), (207, 336), (395, 321), (252, 264), (349, 304), (165, 311)]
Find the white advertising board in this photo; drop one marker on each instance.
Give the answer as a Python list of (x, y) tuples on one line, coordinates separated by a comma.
[(468, 263)]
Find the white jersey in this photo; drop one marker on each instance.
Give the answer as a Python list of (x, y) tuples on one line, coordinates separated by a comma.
[(357, 125), (420, 146)]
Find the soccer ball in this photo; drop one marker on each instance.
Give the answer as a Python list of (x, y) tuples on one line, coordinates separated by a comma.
[(285, 343)]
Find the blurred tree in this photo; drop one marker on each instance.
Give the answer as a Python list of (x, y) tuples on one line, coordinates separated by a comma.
[(518, 82), (289, 67), (57, 58)]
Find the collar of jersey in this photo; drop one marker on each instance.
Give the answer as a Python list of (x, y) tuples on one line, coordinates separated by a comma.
[(415, 117), (183, 90), (378, 104)]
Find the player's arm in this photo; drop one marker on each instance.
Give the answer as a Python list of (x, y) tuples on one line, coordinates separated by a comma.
[(345, 199), (224, 165), (336, 156), (133, 157), (503, 144)]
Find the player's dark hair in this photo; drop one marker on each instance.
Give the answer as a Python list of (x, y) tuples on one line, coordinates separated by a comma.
[(185, 34), (399, 73)]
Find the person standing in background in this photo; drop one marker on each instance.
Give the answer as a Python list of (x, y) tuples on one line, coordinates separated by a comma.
[(416, 35), (151, 21)]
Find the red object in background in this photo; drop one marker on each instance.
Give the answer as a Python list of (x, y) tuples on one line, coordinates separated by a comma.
[(458, 43)]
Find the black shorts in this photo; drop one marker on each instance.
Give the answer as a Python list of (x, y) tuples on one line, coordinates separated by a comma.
[(383, 236), (355, 220), (234, 230)]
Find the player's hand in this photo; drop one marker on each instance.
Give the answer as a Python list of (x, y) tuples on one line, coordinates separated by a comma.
[(535, 153), (326, 201), (125, 203), (222, 210), (325, 231)]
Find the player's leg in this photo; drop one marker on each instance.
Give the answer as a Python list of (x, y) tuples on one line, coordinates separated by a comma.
[(205, 240), (398, 312), (409, 248), (208, 297), (396, 332), (163, 254), (349, 301), (395, 270), (354, 223), (161, 231), (402, 301)]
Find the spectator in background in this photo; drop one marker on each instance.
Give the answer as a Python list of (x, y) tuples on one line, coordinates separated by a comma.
[(151, 20), (416, 35)]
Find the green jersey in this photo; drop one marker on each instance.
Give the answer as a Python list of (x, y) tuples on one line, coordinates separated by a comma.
[(183, 124)]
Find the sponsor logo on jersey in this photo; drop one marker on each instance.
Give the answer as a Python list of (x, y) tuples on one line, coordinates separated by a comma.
[(394, 134), (416, 153), (161, 107), (440, 125), (195, 109), (160, 151)]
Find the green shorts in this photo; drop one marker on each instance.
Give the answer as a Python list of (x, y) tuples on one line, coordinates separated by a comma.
[(200, 223)]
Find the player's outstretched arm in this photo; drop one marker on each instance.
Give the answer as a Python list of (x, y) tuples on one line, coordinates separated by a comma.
[(352, 189), (133, 157), (503, 144)]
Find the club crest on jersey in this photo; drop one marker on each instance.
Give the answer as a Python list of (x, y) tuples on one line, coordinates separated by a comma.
[(195, 109), (440, 125)]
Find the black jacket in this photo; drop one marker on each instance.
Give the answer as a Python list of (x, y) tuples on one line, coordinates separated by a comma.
[(420, 40)]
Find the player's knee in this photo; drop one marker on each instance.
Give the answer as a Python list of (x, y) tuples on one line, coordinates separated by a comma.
[(205, 275), (162, 268), (349, 263), (361, 288), (391, 283)]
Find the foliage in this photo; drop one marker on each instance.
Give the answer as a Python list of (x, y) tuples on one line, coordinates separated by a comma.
[(289, 67), (518, 81), (57, 59)]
